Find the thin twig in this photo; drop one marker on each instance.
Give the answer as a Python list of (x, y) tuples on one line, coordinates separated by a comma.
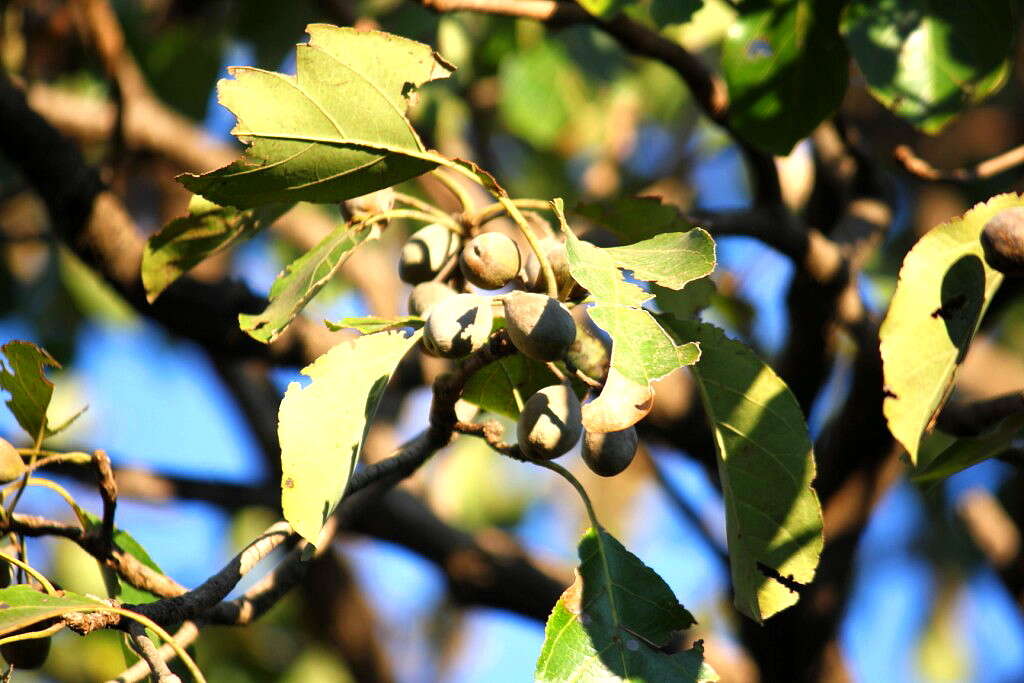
[(917, 166), (108, 492)]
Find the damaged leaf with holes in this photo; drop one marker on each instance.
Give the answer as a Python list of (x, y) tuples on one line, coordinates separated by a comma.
[(944, 288), (766, 465)]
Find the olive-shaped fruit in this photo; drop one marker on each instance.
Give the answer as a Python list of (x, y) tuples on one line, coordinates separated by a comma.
[(425, 253), (31, 653), (554, 249), (551, 422), (425, 295), (490, 260), (1003, 241), (458, 325), (11, 464), (609, 453), (539, 326)]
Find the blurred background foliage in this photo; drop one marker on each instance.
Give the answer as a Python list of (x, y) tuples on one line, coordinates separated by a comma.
[(552, 113)]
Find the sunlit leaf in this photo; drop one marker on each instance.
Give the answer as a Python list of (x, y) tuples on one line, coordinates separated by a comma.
[(609, 624), (302, 279), (371, 323), (944, 287), (206, 230), (23, 376), (335, 130), (22, 605), (928, 61), (321, 426), (766, 466), (605, 9), (786, 67), (642, 351)]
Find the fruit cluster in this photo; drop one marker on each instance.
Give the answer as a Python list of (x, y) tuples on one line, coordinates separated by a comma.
[(539, 326)]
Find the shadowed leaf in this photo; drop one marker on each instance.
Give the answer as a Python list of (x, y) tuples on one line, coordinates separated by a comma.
[(766, 465), (609, 623)]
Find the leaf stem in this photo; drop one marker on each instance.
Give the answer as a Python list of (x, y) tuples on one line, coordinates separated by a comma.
[(568, 476), (60, 491), (464, 198), (538, 251), (413, 214), (417, 203), (43, 581), (497, 208), (32, 635)]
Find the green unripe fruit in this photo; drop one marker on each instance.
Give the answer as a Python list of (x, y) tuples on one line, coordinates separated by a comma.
[(458, 325), (609, 453), (425, 295), (1003, 241), (31, 653), (426, 252), (551, 423), (490, 260), (539, 326), (11, 464)]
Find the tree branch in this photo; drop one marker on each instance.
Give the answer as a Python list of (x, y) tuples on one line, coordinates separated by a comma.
[(920, 168)]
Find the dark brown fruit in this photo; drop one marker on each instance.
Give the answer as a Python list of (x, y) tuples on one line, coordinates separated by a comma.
[(458, 325), (426, 252), (609, 453), (490, 260), (31, 653), (551, 423), (1003, 241), (425, 295), (539, 326)]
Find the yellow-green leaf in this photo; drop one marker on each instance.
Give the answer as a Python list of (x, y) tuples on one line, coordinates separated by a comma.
[(335, 130), (944, 287), (321, 426)]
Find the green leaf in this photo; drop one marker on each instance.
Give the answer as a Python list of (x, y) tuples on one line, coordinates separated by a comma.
[(786, 68), (927, 61), (22, 605), (303, 278), (642, 351), (944, 287), (609, 624), (687, 302), (490, 388), (207, 230), (766, 465), (671, 259), (955, 455), (321, 426), (541, 87), (666, 12), (371, 323), (24, 378), (635, 218), (116, 586), (335, 130)]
